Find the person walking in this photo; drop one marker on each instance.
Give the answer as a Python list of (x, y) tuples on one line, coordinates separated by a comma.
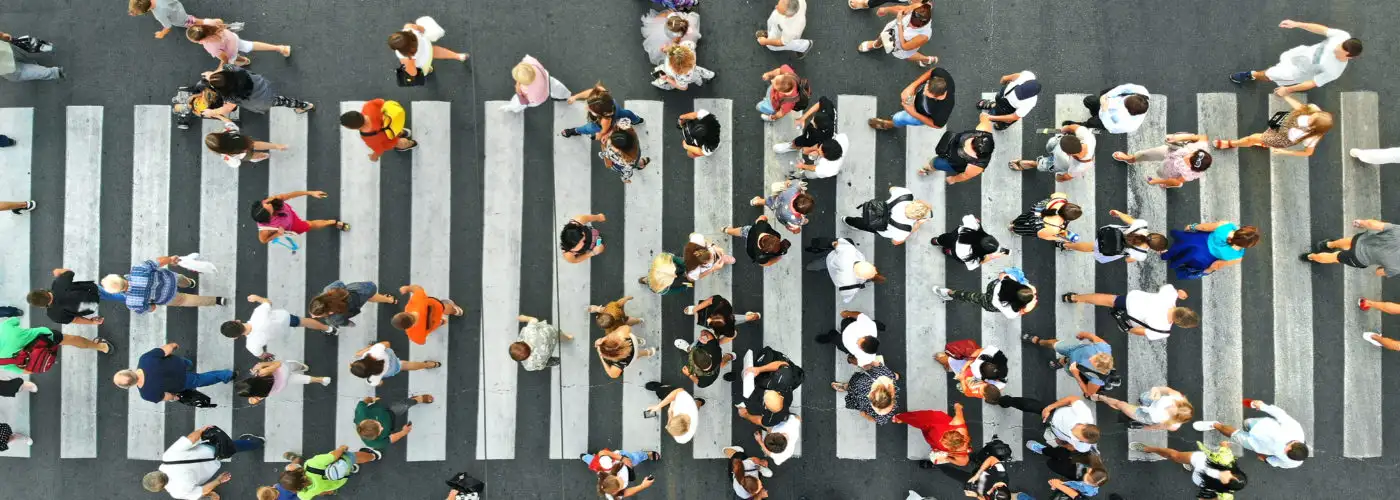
[(152, 284), (415, 46), (818, 125), (683, 415), (270, 377), (1158, 408), (660, 30), (704, 358), (1377, 245), (423, 314), (970, 244), (872, 392), (988, 482), (1116, 110), (1150, 314), (161, 376), (789, 202), (746, 473), (25, 350), (169, 13), (16, 66), (613, 314), (928, 101), (858, 337), (1010, 295), (537, 346), (604, 113), (846, 265), (902, 38), (189, 468), (579, 240), (981, 372), (784, 94), (339, 302), (768, 386), (822, 160), (378, 361), (621, 152), (1277, 438), (1117, 241), (1307, 67), (266, 324), (963, 155), (785, 26), (1381, 341), (703, 258), (1184, 159), (762, 243), (326, 473), (615, 470), (1049, 219), (71, 302), (1207, 247), (700, 133), (239, 88), (1070, 154), (533, 86), (716, 314), (619, 348), (380, 424), (780, 441), (946, 434), (224, 44), (276, 217), (383, 126), (680, 70), (1014, 102), (1069, 422), (1305, 124), (1089, 362), (1216, 472), (895, 218), (234, 148)]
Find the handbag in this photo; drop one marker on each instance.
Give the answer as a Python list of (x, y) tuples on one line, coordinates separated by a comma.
[(31, 45), (1276, 121), (406, 80), (468, 488), (195, 262), (1126, 322), (219, 440), (37, 357), (194, 398)]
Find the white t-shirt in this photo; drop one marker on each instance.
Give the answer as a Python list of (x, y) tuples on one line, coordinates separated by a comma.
[(423, 57), (910, 33), (1115, 116), (840, 265), (1154, 309), (684, 404), (897, 215), (789, 27), (1317, 62), (232, 160), (1062, 422), (625, 474), (862, 327), (186, 481), (750, 469), (379, 352), (1023, 106), (1075, 166), (699, 239), (267, 323), (829, 168), (792, 428)]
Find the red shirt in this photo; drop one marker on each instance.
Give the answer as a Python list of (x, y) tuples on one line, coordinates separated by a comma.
[(934, 424), (379, 141), (783, 103)]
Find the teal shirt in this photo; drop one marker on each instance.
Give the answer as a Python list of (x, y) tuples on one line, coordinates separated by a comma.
[(14, 337), (1219, 243), (378, 411)]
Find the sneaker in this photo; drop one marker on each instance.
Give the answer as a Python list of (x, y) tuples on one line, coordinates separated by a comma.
[(377, 454), (943, 293), (325, 381), (1036, 447), (1321, 247), (291, 456), (1371, 337), (1363, 304), (260, 439), (639, 121), (689, 310), (682, 345), (6, 142), (218, 301), (1241, 77), (764, 471), (1188, 467), (765, 117), (412, 146), (1203, 425), (1248, 403), (1137, 446), (62, 74), (28, 205), (803, 54), (331, 330), (407, 133), (783, 147), (652, 386)]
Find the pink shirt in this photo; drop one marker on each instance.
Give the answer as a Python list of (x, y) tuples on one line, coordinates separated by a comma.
[(286, 219), (538, 90), (279, 379), (224, 45)]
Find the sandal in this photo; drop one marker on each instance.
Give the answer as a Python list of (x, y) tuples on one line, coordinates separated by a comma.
[(343, 226), (858, 4), (1224, 144), (1124, 157), (1067, 298), (1016, 165), (838, 386), (307, 109), (427, 398), (865, 46), (433, 364), (643, 164), (1030, 339), (111, 348), (1056, 364)]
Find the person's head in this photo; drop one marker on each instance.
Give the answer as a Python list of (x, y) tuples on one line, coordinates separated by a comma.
[(774, 246), (124, 379), (1071, 145), (831, 150), (1199, 161), (234, 328), (261, 211), (775, 442), (803, 203), (154, 481), (267, 493), (702, 359), (294, 480), (953, 440), (254, 387), (697, 255), (228, 143), (822, 121), (1136, 104), (999, 491), (221, 82), (366, 367), (609, 484), (751, 484), (774, 400), (1096, 476), (992, 371), (519, 351), (352, 120), (868, 345), (523, 74), (613, 347), (681, 58), (1102, 362), (1025, 295), (1245, 237), (39, 298), (335, 301), (865, 270), (1088, 433), (921, 15), (1069, 212), (622, 140), (917, 210), (1297, 450), (114, 283), (678, 425), (404, 42), (1319, 122), (1155, 241), (200, 32), (717, 320), (1349, 49), (369, 428), (882, 397), (403, 321), (138, 7), (1183, 317), (988, 244), (991, 394), (785, 83), (605, 320), (600, 102), (983, 145), (937, 87), (677, 24), (1182, 412)]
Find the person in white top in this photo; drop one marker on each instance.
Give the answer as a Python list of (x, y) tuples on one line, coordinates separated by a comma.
[(1160, 408), (849, 270), (1277, 438), (780, 441), (234, 148), (1150, 314), (902, 38), (902, 216), (684, 413), (1133, 241), (703, 258), (1014, 102), (1070, 154), (823, 159), (378, 362), (1069, 422), (266, 324), (1307, 67), (1119, 110), (785, 26), (414, 46), (858, 338), (188, 468), (747, 473)]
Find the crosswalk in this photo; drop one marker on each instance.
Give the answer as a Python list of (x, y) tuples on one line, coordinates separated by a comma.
[(634, 238)]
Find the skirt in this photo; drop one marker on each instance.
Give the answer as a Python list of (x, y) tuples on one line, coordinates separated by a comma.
[(655, 36), (1278, 138), (1189, 255)]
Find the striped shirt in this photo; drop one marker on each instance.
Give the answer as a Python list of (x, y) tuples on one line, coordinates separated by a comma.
[(149, 284)]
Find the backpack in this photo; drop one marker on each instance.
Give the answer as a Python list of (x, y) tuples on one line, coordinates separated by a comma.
[(394, 118), (37, 357), (1111, 241), (877, 213), (994, 448), (1111, 380)]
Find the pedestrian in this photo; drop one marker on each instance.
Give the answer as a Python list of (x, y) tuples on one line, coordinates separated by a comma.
[(858, 337), (1010, 295), (189, 468), (71, 302), (35, 350), (785, 26), (768, 388), (378, 361), (1158, 408), (1089, 362), (415, 46), (533, 86), (621, 151), (1206, 247), (1150, 314), (846, 265), (895, 218), (266, 324), (276, 217), (746, 473), (277, 491), (762, 243), (1014, 102), (619, 348), (339, 302), (789, 202), (785, 93), (872, 392), (1116, 241), (1069, 154), (423, 314), (270, 377), (8, 437), (326, 473), (1049, 219), (1116, 110), (703, 258), (161, 376), (615, 471), (380, 424), (928, 101), (1277, 438), (613, 315), (818, 125), (383, 126), (704, 358), (963, 155), (243, 89), (17, 66), (1184, 159), (660, 30), (699, 133), (604, 113), (780, 441), (537, 346), (1377, 245), (970, 244), (822, 160), (716, 314), (680, 70), (234, 148), (1307, 67), (152, 284), (1374, 338), (1069, 422), (169, 13), (902, 38), (579, 240), (1216, 472), (980, 371), (683, 414), (946, 434), (224, 44), (1372, 156), (1305, 124)]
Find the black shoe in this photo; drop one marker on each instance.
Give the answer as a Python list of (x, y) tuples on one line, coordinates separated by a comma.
[(1057, 364), (1068, 123), (653, 386), (218, 301), (568, 132), (332, 330), (699, 402), (6, 142), (378, 455), (28, 205), (986, 104), (1321, 247), (1304, 257), (729, 377)]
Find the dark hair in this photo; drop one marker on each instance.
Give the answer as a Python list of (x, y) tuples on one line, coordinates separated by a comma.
[(991, 394), (260, 213), (1136, 104), (519, 351), (231, 329), (201, 31), (294, 480), (983, 145), (987, 244), (622, 140), (870, 345), (923, 12), (334, 301), (1070, 211), (1025, 295), (821, 121), (1245, 237), (352, 119), (222, 83), (1091, 433), (993, 371), (938, 85), (803, 203), (258, 387), (364, 367), (705, 131), (1298, 451), (1071, 145), (769, 247), (228, 143), (601, 102), (1352, 46), (1199, 161), (39, 298), (571, 234), (405, 42), (700, 358), (831, 149), (999, 491), (775, 442), (696, 256), (403, 321)]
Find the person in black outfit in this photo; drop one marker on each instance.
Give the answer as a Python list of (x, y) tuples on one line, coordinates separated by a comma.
[(775, 379), (818, 126), (1014, 101), (963, 155), (699, 133), (1003, 294), (970, 244), (928, 102), (68, 301), (764, 245), (989, 482), (717, 314), (704, 359)]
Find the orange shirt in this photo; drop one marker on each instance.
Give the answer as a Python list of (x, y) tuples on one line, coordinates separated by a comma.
[(429, 316), (379, 141)]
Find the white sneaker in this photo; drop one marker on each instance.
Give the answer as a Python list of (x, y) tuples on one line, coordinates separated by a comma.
[(32, 387), (28, 441), (1371, 337), (942, 293), (1204, 425), (325, 381), (764, 471), (682, 345), (1355, 152), (783, 147), (1188, 467)]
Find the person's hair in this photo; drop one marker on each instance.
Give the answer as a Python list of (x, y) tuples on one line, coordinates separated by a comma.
[(921, 14), (775, 442), (138, 7), (1025, 295), (870, 345), (1297, 450), (1321, 122), (267, 493), (221, 82), (1096, 476), (1071, 145), (991, 394), (228, 143), (696, 255), (1091, 433), (1200, 161), (113, 283), (938, 85), (1070, 212), (831, 150), (775, 394), (611, 347), (983, 145), (39, 298), (604, 320), (1136, 104), (336, 301), (369, 428), (403, 321), (822, 121), (201, 31), (678, 425), (1183, 412), (260, 214), (677, 24), (992, 371), (717, 319), (1245, 237), (254, 387), (774, 245), (701, 359), (124, 379), (803, 203), (785, 83), (608, 484), (1103, 362), (1185, 318), (882, 397), (405, 42), (1155, 241), (294, 480), (600, 102), (751, 484), (878, 278), (953, 440), (999, 491), (681, 58), (622, 140), (232, 329), (365, 367), (352, 119), (1352, 46), (917, 210), (523, 74), (154, 481), (519, 351)]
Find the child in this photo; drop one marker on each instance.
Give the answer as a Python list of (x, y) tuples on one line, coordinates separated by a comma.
[(267, 323)]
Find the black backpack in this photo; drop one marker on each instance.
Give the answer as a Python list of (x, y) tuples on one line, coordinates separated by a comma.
[(1111, 241), (877, 213), (994, 448)]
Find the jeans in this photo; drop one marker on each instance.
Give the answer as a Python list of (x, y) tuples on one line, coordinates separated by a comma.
[(242, 445), (591, 128), (105, 295), (904, 119), (637, 457), (196, 380), (765, 106), (26, 71), (942, 164)]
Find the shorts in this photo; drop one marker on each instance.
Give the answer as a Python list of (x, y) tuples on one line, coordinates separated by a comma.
[(299, 226), (245, 46), (1348, 257), (942, 165), (294, 322)]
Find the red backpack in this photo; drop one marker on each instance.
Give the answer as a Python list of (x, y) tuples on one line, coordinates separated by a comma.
[(37, 357)]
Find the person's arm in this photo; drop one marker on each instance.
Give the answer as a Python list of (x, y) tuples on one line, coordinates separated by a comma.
[(169, 348), (1060, 486), (990, 462), (297, 194), (258, 299), (752, 418), (1123, 216), (968, 174), (1138, 330), (811, 110), (646, 483), (1167, 183), (984, 121), (1206, 227), (411, 288), (909, 91), (1085, 387), (667, 401), (1314, 28), (1062, 402), (402, 433), (194, 437), (1089, 337)]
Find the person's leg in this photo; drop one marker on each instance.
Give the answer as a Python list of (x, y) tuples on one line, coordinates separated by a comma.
[(440, 52), (1128, 409), (409, 366), (801, 45), (285, 50), (309, 324), (450, 308), (1248, 141), (1340, 244), (764, 106), (188, 300), (1060, 461), (30, 72), (82, 342), (1376, 156), (966, 296), (904, 119), (1098, 299), (514, 106), (959, 475), (858, 223), (557, 90), (13, 205), (1158, 153), (1027, 405), (637, 456), (197, 380), (589, 128), (1180, 457)]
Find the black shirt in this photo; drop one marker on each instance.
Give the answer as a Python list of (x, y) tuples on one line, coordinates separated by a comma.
[(937, 110), (759, 229), (716, 356), (951, 147), (813, 135), (69, 296), (754, 403), (718, 306)]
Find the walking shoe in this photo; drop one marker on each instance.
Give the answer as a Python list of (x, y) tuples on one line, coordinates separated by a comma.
[(689, 310), (411, 146), (880, 123), (28, 205), (652, 386), (1363, 304), (1188, 467), (260, 439), (1241, 77), (218, 301), (682, 345), (331, 330), (1248, 403), (1304, 257), (1036, 447), (1203, 425), (407, 133), (325, 381), (1057, 363), (764, 471), (803, 54), (194, 284), (1137, 446), (354, 469), (1321, 247), (729, 377), (568, 132), (6, 142), (1371, 337), (377, 454), (639, 121), (943, 293)]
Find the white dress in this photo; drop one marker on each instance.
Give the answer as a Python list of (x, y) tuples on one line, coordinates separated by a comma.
[(655, 36), (910, 33), (696, 76)]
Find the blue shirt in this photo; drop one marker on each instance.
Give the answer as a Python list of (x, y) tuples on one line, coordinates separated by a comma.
[(283, 494), (1219, 244), (149, 284), (1082, 353), (1084, 489), (163, 374)]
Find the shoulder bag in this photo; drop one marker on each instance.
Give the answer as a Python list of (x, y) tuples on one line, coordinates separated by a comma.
[(37, 357), (406, 80)]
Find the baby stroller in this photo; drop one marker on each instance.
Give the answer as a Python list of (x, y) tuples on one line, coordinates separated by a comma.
[(192, 100)]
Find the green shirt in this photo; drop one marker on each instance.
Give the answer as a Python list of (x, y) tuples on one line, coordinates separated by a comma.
[(319, 484), (13, 338), (378, 412)]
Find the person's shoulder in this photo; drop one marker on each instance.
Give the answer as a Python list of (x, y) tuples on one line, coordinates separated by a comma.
[(1336, 33)]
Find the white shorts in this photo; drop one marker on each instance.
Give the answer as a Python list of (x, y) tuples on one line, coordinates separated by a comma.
[(245, 46), (1198, 466), (1287, 72)]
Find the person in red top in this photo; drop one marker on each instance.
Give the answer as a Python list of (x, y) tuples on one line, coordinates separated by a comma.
[(947, 435), (783, 94), (422, 314), (382, 126)]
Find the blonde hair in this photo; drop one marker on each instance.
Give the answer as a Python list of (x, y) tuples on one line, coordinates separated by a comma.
[(678, 425), (681, 58), (124, 379), (267, 493), (882, 394), (369, 428), (1183, 412), (523, 74), (1103, 362), (138, 7), (917, 210), (154, 481), (113, 283)]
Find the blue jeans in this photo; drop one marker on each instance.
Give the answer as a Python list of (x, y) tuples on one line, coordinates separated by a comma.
[(943, 165), (637, 456), (904, 119), (106, 295), (196, 380), (242, 445), (765, 106), (591, 128)]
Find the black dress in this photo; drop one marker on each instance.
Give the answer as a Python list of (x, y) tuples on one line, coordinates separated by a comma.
[(757, 254), (719, 305)]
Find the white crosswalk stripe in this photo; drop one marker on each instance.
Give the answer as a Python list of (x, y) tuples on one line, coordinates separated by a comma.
[(505, 140), (1074, 271), (286, 283), (1362, 427), (782, 281), (359, 261), (568, 384), (1147, 360), (218, 242), (82, 246), (150, 238), (430, 258), (714, 206), (1222, 340), (1001, 203), (1289, 192), (15, 167), (643, 207), (855, 436), (924, 313)]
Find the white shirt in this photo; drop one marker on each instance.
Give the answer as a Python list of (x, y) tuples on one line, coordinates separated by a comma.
[(1062, 422), (1271, 436), (1074, 166), (1154, 309), (910, 33), (1317, 62), (1023, 106), (1296, 134), (698, 239), (897, 215), (1115, 117), (186, 481), (840, 264), (379, 352), (684, 404), (963, 251), (792, 428), (423, 57), (622, 474), (789, 27), (750, 469), (1160, 410), (862, 327), (267, 323), (829, 168)]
